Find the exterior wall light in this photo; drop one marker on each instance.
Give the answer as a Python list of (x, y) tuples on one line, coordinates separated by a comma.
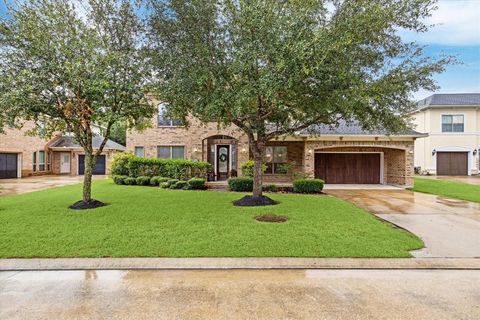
[(244, 150), (434, 152), (310, 151), (474, 152)]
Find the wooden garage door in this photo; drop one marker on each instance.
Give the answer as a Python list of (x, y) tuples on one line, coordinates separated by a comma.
[(348, 167), (100, 165), (452, 163)]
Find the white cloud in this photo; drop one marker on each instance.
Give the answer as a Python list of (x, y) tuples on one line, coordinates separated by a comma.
[(457, 23)]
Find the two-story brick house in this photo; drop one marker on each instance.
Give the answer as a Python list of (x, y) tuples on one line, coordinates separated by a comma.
[(345, 154), (22, 155), (452, 122)]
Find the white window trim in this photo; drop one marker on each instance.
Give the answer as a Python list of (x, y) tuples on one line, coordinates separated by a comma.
[(382, 161), (453, 114)]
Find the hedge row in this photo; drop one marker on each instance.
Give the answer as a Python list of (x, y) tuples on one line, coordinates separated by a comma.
[(130, 165), (245, 184), (192, 184)]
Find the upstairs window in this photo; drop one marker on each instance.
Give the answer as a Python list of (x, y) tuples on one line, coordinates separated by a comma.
[(452, 123), (164, 121)]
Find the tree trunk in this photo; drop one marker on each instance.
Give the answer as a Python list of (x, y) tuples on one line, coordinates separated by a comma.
[(258, 175), (87, 178)]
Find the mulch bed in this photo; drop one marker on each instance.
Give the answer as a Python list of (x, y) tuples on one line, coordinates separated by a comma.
[(251, 201), (271, 218), (92, 204)]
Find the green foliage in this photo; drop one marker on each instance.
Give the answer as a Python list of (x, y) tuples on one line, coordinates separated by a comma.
[(196, 184), (164, 185), (308, 185), (155, 181), (247, 168), (270, 188), (175, 169), (240, 184), (128, 164), (119, 179), (119, 164), (284, 168), (179, 185), (130, 181), (142, 181)]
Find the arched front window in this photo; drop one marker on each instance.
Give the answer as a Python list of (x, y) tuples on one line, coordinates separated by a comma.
[(164, 121)]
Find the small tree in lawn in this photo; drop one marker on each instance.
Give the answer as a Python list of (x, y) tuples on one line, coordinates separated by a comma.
[(274, 67), (73, 67)]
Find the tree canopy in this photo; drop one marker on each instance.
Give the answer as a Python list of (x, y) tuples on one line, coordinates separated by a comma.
[(274, 67)]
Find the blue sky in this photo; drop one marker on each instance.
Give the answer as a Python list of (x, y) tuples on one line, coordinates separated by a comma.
[(457, 32)]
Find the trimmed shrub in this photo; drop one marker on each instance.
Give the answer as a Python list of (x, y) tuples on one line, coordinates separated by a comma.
[(173, 169), (270, 188), (143, 181), (164, 185), (119, 179), (308, 185), (119, 164), (172, 181), (247, 168), (179, 185), (130, 181), (240, 184), (196, 184), (155, 181)]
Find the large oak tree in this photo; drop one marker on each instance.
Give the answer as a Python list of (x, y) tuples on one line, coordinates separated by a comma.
[(273, 67), (73, 67)]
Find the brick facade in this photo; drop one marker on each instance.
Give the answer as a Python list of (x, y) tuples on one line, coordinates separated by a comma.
[(16, 141)]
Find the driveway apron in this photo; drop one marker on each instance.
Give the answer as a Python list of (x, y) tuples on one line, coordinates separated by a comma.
[(449, 228)]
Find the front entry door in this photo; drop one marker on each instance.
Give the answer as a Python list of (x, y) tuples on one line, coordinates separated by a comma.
[(64, 162), (223, 162)]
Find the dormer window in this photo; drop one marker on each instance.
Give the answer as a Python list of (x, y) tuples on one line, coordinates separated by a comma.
[(164, 121), (452, 123)]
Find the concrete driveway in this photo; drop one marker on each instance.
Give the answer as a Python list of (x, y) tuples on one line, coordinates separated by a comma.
[(241, 294), (36, 183), (448, 227)]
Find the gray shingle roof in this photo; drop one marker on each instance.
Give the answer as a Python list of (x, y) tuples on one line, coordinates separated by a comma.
[(353, 128), (450, 99), (69, 142)]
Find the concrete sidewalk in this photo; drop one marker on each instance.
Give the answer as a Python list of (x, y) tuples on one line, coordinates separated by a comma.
[(235, 263)]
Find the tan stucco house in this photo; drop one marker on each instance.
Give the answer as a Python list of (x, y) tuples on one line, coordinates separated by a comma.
[(452, 122), (22, 155), (344, 154)]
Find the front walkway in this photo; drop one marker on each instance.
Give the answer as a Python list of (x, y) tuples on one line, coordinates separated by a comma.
[(448, 227), (36, 183), (464, 179)]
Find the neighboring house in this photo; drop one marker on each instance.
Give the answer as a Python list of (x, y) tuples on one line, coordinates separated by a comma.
[(452, 122), (22, 155), (345, 154)]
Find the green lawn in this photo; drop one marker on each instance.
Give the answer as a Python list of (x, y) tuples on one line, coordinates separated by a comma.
[(151, 222), (458, 190)]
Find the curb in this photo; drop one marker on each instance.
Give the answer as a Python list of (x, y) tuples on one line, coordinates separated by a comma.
[(236, 263)]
